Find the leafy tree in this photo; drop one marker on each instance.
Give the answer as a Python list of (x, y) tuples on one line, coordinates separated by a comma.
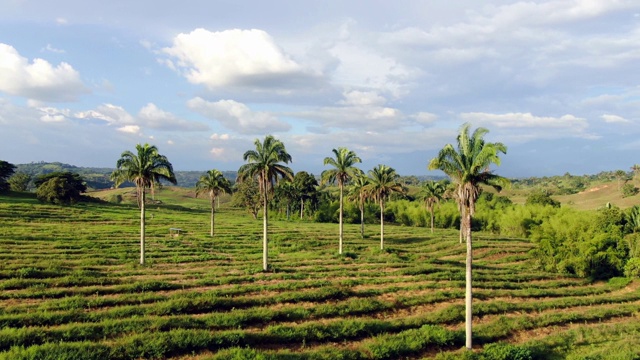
[(541, 198), (73, 181), (341, 173), (19, 182), (468, 167), (622, 177), (307, 187), (431, 193), (287, 193), (214, 183), (6, 170), (358, 193), (60, 188), (247, 194), (383, 181), (264, 164), (144, 168), (627, 190)]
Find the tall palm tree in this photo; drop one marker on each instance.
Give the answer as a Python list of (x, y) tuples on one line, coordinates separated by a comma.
[(264, 164), (358, 193), (383, 181), (341, 173), (215, 184), (432, 192), (143, 168), (468, 167)]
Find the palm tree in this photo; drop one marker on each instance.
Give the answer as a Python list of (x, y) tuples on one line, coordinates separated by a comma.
[(358, 193), (342, 172), (144, 168), (383, 181), (264, 165), (215, 184), (432, 192), (468, 167)]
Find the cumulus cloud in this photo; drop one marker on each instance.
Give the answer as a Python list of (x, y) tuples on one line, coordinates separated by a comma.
[(150, 115), (609, 118), (51, 114), (110, 113), (238, 117), (234, 58), (38, 79), (363, 110), (130, 129), (219, 137)]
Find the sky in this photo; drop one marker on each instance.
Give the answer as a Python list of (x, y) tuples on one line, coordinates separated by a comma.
[(556, 81)]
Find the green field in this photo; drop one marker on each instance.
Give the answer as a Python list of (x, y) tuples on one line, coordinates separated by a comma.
[(71, 289)]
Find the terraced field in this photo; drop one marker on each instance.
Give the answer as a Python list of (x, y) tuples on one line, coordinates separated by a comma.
[(71, 289)]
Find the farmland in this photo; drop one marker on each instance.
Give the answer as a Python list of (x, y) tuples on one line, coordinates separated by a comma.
[(71, 288)]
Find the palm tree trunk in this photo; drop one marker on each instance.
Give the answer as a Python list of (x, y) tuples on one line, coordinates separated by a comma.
[(431, 211), (301, 208), (362, 221), (468, 293), (381, 224), (213, 200), (340, 220), (264, 232), (142, 214)]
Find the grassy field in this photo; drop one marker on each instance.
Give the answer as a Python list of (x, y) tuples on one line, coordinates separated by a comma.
[(71, 289)]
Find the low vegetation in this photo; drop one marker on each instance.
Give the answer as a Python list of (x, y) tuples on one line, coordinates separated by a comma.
[(72, 288)]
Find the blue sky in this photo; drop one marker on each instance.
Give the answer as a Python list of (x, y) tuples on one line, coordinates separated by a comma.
[(556, 81)]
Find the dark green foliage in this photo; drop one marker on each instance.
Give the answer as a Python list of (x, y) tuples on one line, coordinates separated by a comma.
[(6, 170), (629, 190), (540, 198), (246, 194), (60, 188), (19, 182)]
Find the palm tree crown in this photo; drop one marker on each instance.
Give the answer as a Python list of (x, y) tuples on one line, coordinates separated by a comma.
[(264, 165), (214, 183), (342, 171)]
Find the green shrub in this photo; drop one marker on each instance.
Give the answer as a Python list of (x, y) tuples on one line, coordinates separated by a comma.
[(632, 268)]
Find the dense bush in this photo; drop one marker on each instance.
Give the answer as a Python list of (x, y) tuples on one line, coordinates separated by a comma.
[(540, 198)]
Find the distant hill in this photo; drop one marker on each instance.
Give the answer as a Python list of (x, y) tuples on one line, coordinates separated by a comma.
[(98, 178)]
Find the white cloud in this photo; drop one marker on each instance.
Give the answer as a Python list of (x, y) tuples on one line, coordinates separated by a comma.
[(150, 115), (608, 118), (236, 58), (362, 98), (526, 126), (110, 113), (130, 129), (50, 48), (425, 118), (219, 137), (237, 116), (38, 80), (50, 114)]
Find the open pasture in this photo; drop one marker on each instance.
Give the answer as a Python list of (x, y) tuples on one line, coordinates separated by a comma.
[(70, 288)]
